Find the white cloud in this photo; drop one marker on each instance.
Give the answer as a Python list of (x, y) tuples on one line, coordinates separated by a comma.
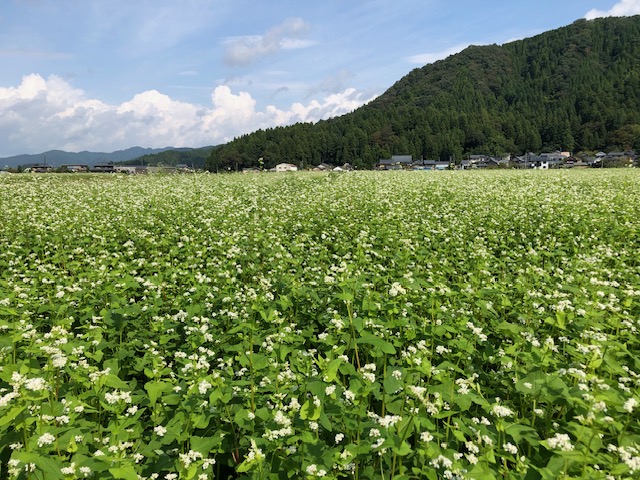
[(42, 114), (332, 106), (620, 9), (425, 58), (286, 36)]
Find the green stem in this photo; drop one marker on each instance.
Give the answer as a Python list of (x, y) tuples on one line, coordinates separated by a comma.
[(384, 375), (253, 383), (402, 439), (353, 334)]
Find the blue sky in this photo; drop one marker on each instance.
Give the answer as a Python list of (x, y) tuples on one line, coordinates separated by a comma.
[(105, 75)]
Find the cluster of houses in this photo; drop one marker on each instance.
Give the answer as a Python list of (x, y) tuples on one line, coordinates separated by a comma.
[(406, 162), (281, 167), (290, 167), (108, 168), (542, 161)]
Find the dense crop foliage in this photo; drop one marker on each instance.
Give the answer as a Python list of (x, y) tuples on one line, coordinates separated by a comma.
[(365, 325)]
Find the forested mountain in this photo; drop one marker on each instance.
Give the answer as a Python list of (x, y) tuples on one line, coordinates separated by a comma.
[(193, 157), (60, 157), (576, 88)]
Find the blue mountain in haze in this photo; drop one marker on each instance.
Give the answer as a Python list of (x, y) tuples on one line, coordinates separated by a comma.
[(60, 157)]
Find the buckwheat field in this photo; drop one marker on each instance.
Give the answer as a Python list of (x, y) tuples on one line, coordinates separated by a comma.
[(365, 325)]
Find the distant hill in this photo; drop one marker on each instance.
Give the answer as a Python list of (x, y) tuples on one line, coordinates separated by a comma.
[(193, 157), (59, 157), (576, 88)]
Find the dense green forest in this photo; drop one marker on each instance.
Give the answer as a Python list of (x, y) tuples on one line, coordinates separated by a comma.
[(193, 157), (576, 88)]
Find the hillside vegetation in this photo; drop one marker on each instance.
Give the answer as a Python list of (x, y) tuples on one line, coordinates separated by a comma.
[(193, 157), (576, 88)]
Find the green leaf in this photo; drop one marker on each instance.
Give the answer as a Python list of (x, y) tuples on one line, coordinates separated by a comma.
[(244, 467), (258, 361), (523, 432), (204, 445), (114, 381), (11, 415), (241, 418), (50, 467), (155, 390), (392, 384), (325, 422), (345, 296), (309, 411), (127, 472), (380, 344), (482, 471), (331, 370), (536, 379), (304, 410)]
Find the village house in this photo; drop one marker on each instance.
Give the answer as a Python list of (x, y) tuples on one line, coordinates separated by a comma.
[(396, 162), (74, 168), (573, 162), (104, 168), (323, 167), (434, 165), (544, 161), (485, 161), (286, 167), (618, 159), (40, 168), (131, 169)]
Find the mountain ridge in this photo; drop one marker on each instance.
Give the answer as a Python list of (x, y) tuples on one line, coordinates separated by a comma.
[(60, 157), (576, 88)]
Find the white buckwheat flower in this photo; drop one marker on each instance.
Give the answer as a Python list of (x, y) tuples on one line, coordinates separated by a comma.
[(509, 447), (46, 439), (396, 289), (70, 470), (630, 404), (349, 395), (203, 386), (35, 384), (560, 441), (501, 411)]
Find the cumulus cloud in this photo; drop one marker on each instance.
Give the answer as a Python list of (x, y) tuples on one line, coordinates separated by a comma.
[(42, 114), (425, 58), (620, 9), (246, 49)]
